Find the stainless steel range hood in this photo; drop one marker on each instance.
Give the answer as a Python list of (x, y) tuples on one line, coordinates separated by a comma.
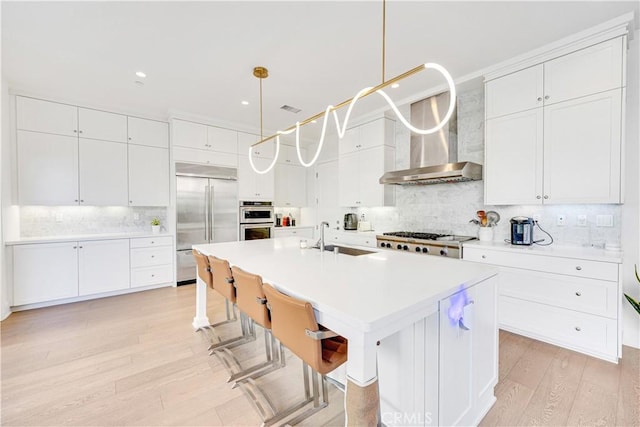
[(434, 157)]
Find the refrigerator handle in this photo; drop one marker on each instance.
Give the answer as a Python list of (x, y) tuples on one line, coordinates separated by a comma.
[(206, 214), (211, 217)]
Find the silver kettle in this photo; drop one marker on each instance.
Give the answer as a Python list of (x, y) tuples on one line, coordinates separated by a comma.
[(350, 221)]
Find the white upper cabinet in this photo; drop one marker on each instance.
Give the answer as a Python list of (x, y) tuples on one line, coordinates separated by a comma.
[(189, 134), (591, 70), (513, 159), (103, 173), (223, 140), (47, 169), (148, 132), (290, 185), (97, 124), (266, 149), (45, 116), (567, 149), (515, 92), (372, 134), (254, 186), (359, 175), (148, 176), (582, 150)]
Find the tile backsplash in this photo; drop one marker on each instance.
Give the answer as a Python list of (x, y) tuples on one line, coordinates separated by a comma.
[(41, 221)]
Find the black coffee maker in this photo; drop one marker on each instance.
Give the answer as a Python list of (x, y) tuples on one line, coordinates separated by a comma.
[(522, 230)]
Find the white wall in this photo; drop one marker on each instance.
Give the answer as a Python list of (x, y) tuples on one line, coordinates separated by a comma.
[(631, 210), (5, 137)]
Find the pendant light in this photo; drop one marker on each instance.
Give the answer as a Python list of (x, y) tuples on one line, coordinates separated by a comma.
[(262, 73), (352, 102)]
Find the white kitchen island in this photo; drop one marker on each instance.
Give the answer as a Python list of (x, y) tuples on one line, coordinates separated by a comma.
[(437, 364)]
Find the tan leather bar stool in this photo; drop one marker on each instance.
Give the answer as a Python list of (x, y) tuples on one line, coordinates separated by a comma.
[(294, 324), (216, 273), (251, 302)]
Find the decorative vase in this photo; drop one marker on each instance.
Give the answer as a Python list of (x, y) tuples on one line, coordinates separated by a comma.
[(155, 229), (485, 234)]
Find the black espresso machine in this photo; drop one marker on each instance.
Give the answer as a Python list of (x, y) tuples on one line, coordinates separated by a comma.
[(522, 230)]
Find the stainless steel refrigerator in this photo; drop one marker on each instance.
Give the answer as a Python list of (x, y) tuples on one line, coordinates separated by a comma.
[(206, 211)]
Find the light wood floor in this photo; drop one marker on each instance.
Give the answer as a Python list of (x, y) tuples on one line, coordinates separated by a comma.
[(135, 360)]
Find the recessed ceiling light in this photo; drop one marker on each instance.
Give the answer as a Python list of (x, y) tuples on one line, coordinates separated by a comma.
[(141, 74), (395, 86), (245, 102)]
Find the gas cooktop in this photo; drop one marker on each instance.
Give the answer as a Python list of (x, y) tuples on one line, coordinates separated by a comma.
[(424, 242)]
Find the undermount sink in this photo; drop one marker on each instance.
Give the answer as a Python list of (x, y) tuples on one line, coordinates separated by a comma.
[(347, 250)]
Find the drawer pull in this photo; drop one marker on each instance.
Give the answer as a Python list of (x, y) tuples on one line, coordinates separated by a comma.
[(578, 328), (578, 294), (153, 275), (153, 256), (484, 256), (578, 268), (152, 242)]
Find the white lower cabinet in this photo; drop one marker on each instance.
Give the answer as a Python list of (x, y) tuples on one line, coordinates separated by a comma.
[(442, 372), (103, 266), (566, 301), (45, 272), (50, 272), (151, 261)]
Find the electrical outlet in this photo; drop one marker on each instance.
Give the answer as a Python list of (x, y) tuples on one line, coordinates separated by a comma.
[(136, 216), (604, 220), (561, 220), (581, 221)]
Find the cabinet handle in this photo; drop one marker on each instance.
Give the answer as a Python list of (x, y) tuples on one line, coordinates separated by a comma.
[(130, 201), (578, 294), (538, 197), (578, 268), (546, 97), (484, 257), (153, 256), (80, 131), (76, 200), (80, 247), (75, 247), (129, 138), (546, 197), (152, 242), (578, 328), (81, 200), (153, 275), (539, 98), (75, 131)]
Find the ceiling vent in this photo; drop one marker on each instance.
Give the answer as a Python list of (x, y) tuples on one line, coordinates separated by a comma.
[(290, 109)]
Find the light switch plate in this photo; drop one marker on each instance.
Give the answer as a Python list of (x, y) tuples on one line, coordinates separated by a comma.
[(604, 220)]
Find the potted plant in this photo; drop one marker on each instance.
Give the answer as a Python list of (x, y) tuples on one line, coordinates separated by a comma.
[(155, 225), (635, 304)]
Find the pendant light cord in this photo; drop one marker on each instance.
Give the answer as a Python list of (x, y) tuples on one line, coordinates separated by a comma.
[(384, 36), (261, 135)]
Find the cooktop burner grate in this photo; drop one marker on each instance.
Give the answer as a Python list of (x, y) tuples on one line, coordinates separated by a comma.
[(415, 235)]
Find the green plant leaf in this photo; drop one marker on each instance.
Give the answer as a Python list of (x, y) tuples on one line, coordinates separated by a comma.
[(635, 304), (635, 267)]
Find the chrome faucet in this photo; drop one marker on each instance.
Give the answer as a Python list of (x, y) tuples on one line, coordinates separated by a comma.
[(322, 225)]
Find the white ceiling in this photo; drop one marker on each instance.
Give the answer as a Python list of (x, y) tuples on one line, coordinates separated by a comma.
[(199, 56)]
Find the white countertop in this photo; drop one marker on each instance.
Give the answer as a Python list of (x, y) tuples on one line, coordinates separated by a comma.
[(365, 291), (587, 253), (81, 238)]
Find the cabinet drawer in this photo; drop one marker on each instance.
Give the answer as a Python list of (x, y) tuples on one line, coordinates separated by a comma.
[(146, 242), (552, 264), (145, 257), (586, 333), (148, 276), (586, 295), (300, 232), (193, 155)]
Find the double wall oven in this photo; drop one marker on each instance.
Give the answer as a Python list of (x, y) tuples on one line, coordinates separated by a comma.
[(256, 220)]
